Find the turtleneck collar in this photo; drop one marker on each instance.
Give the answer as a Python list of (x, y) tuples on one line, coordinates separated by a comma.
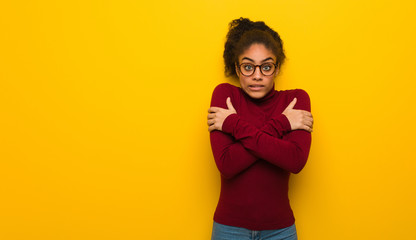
[(264, 99)]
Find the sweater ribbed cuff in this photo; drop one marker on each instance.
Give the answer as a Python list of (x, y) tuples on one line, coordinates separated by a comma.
[(229, 123), (282, 119)]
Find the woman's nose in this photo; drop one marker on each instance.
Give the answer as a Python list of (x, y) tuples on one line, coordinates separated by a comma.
[(257, 75)]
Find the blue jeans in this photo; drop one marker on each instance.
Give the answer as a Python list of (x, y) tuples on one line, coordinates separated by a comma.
[(224, 232)]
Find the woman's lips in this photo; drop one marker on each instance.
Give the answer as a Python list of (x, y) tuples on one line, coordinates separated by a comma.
[(255, 87)]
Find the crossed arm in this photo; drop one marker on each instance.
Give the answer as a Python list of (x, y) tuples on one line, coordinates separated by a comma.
[(299, 119), (236, 144)]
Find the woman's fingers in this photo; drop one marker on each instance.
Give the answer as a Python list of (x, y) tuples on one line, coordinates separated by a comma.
[(210, 122), (299, 119), (213, 109), (217, 115), (291, 104), (213, 126), (305, 125), (308, 127), (230, 105), (308, 124)]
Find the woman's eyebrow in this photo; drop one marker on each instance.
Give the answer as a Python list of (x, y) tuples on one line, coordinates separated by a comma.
[(247, 59), (264, 60), (269, 58)]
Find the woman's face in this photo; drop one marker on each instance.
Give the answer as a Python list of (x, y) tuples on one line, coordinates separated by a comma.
[(257, 85)]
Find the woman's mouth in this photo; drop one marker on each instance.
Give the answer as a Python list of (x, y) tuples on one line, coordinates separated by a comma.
[(255, 87)]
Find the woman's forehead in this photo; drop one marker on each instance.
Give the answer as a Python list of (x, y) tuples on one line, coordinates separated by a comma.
[(257, 52)]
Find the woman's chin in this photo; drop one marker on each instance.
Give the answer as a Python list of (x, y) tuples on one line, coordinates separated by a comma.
[(256, 95)]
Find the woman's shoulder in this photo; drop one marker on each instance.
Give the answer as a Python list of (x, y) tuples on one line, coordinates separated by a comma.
[(226, 87), (294, 93), (303, 100), (222, 92)]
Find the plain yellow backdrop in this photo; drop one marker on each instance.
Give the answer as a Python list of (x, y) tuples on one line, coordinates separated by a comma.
[(103, 116)]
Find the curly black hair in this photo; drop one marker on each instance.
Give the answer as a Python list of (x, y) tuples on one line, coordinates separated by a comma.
[(242, 34)]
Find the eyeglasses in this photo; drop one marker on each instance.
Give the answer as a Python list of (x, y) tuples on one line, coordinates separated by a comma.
[(248, 69)]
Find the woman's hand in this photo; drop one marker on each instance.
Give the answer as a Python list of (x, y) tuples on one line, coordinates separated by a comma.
[(217, 115), (299, 119)]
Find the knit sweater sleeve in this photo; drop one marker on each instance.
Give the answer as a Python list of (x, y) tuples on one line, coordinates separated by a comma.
[(290, 152), (277, 126), (231, 157)]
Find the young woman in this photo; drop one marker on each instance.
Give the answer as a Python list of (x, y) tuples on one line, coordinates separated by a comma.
[(258, 137)]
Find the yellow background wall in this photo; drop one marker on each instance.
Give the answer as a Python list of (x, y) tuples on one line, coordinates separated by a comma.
[(103, 116)]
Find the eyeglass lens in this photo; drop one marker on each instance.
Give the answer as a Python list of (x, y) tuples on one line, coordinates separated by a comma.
[(267, 69)]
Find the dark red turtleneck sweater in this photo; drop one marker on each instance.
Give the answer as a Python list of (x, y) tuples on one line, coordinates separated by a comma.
[(255, 154)]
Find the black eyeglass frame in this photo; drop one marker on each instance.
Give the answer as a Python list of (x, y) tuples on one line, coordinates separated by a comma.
[(255, 66)]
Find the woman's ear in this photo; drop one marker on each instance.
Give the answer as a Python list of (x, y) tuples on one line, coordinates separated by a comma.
[(236, 70), (277, 70)]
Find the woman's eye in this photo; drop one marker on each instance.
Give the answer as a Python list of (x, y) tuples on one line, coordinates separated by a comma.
[(267, 67), (248, 67)]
